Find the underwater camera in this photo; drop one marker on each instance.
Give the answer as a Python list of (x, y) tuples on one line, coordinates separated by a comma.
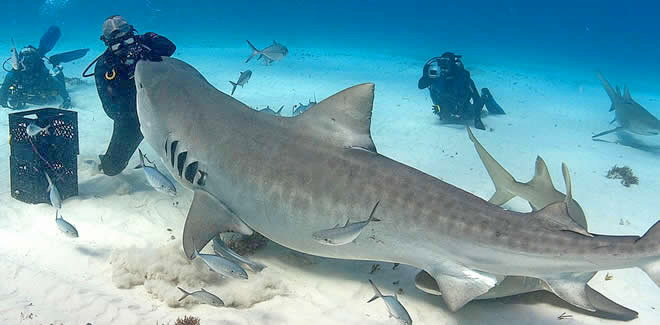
[(16, 97), (43, 141)]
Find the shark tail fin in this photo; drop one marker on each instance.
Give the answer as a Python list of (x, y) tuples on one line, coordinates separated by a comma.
[(233, 89), (608, 88), (652, 239), (377, 293), (185, 294), (255, 51), (502, 180)]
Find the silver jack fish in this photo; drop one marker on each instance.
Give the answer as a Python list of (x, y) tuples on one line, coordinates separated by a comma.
[(394, 306), (343, 235), (220, 248), (64, 226), (203, 296), (54, 194), (222, 266), (274, 52), (156, 179), (242, 80), (33, 129)]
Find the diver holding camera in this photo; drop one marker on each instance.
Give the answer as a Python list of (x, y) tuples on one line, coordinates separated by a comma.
[(454, 95), (113, 74)]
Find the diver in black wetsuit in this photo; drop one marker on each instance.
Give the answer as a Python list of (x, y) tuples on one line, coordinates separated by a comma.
[(114, 82), (454, 95), (30, 82)]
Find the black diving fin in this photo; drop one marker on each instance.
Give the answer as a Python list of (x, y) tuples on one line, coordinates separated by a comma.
[(65, 57), (491, 105), (49, 39)]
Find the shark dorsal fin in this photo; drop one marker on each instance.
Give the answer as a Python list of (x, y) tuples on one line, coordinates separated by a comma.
[(344, 118), (541, 174), (555, 217), (618, 91), (626, 93)]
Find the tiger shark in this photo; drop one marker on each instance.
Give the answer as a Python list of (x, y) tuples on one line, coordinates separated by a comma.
[(630, 115), (237, 161)]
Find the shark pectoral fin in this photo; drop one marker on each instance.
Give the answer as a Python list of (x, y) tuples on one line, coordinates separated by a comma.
[(510, 286), (555, 217), (343, 119), (606, 132), (425, 282), (573, 208), (208, 217), (571, 287), (459, 284), (502, 180), (603, 304)]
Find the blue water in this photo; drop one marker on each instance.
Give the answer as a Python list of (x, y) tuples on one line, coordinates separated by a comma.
[(575, 36)]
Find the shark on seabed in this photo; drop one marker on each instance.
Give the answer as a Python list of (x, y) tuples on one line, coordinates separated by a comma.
[(289, 177)]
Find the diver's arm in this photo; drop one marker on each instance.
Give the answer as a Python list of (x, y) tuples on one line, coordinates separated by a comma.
[(4, 90), (159, 45), (103, 88)]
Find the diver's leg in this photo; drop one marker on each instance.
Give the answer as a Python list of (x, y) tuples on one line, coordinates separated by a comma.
[(126, 137), (489, 101)]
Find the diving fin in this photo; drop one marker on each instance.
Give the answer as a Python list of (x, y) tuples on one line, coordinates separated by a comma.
[(491, 105), (67, 56), (48, 40), (208, 217)]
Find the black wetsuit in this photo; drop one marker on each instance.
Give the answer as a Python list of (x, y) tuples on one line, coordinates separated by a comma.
[(456, 97), (35, 86), (116, 88)]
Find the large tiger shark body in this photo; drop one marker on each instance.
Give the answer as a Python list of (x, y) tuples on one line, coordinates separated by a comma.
[(287, 178)]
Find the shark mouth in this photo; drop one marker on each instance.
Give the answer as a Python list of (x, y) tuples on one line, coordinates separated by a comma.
[(185, 167)]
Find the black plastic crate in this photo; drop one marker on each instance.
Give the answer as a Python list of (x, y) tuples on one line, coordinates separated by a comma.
[(55, 152)]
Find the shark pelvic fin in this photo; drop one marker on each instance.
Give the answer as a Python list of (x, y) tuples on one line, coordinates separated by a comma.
[(572, 288), (459, 284), (555, 217), (208, 217), (502, 180), (344, 118)]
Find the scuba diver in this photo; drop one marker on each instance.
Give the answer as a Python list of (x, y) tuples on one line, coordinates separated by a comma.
[(29, 81), (454, 95), (113, 74)]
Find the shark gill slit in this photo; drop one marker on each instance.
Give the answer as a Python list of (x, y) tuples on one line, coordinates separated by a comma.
[(180, 162), (191, 171), (173, 151)]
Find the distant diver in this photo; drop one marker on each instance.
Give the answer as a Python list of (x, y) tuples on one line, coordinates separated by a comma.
[(113, 74), (454, 95), (29, 81)]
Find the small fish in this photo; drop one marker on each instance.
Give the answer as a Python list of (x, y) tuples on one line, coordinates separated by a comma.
[(301, 108), (203, 296), (33, 129), (15, 64), (222, 265), (343, 235), (394, 306), (156, 179), (54, 194), (242, 80), (220, 248), (274, 52), (270, 111), (64, 226)]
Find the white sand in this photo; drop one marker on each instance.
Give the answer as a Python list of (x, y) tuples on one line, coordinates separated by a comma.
[(125, 267)]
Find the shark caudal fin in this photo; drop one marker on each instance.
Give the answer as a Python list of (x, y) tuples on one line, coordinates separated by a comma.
[(502, 180), (608, 88), (255, 51), (651, 240)]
